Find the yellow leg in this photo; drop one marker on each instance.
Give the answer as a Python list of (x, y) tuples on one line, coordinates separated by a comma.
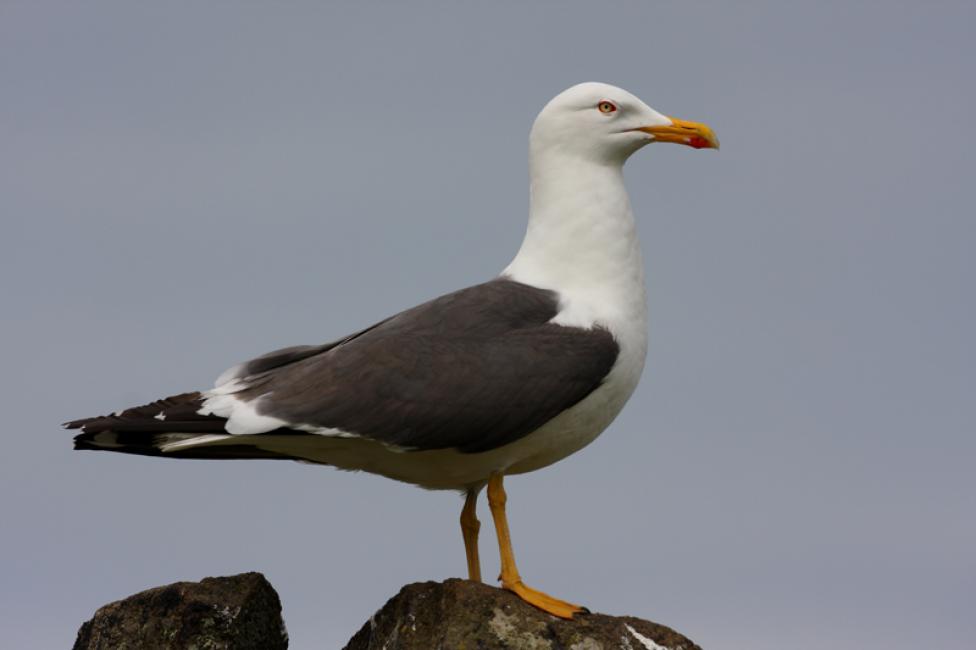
[(469, 530), (510, 576)]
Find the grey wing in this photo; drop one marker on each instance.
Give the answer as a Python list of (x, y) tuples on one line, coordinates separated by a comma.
[(472, 370)]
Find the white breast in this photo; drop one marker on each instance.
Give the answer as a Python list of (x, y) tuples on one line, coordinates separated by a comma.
[(582, 243)]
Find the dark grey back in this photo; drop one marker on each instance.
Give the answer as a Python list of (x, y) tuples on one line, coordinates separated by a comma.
[(472, 370)]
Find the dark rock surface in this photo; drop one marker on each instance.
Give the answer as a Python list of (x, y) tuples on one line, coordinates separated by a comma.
[(463, 615), (240, 612), (243, 613)]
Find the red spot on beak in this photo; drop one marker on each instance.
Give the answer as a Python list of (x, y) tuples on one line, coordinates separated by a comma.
[(698, 142)]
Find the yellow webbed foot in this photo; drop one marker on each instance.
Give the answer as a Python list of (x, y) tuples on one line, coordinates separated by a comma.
[(543, 601)]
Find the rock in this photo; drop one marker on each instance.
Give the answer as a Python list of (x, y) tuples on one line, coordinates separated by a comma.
[(240, 612), (243, 612), (464, 615)]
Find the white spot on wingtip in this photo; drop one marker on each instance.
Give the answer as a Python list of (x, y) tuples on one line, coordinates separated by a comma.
[(119, 414), (160, 416), (649, 644)]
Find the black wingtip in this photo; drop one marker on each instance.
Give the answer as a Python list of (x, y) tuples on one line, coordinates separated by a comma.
[(82, 443)]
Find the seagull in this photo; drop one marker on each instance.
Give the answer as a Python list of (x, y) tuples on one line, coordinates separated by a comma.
[(500, 378)]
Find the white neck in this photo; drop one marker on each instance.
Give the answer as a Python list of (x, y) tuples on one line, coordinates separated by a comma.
[(582, 241)]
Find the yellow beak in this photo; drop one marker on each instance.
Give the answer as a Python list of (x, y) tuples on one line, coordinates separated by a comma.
[(692, 134)]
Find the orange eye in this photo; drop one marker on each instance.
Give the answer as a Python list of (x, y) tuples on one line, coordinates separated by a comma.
[(606, 107)]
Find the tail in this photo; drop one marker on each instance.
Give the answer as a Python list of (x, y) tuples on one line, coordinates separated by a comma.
[(171, 427)]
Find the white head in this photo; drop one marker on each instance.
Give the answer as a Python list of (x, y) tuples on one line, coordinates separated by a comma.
[(606, 124)]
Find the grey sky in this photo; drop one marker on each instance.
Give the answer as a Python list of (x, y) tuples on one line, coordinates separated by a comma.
[(186, 185)]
